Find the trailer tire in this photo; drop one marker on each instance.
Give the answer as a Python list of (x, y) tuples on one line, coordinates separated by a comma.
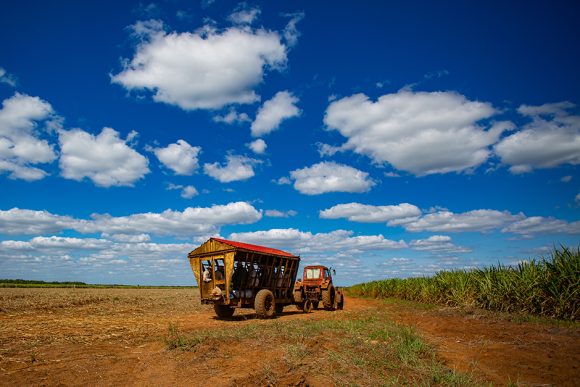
[(279, 308), (224, 311), (264, 304), (315, 305), (328, 298)]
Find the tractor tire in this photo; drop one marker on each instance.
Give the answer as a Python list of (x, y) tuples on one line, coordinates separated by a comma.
[(340, 304), (315, 305), (224, 311), (279, 308), (307, 306), (264, 304), (328, 298)]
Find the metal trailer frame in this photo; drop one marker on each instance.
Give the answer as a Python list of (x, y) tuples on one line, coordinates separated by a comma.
[(236, 272)]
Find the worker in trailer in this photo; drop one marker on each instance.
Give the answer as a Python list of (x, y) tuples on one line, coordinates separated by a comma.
[(219, 272), (206, 274)]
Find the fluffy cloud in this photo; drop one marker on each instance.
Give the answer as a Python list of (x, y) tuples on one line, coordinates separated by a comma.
[(280, 214), (438, 244), (356, 212), (291, 33), (180, 157), (106, 158), (476, 220), (244, 14), (551, 139), (90, 259), (18, 221), (207, 69), (419, 132), (330, 177), (232, 117), (281, 107), (20, 145), (236, 168), (300, 242), (188, 192), (540, 225), (258, 146), (191, 221)]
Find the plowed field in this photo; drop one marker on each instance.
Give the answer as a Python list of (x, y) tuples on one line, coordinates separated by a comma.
[(165, 337)]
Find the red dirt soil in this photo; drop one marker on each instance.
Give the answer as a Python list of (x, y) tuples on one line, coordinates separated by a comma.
[(108, 343)]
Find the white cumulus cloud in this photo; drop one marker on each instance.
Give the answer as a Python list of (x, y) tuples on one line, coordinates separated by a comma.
[(535, 225), (180, 157), (105, 159), (357, 212), (207, 69), (271, 114), (330, 177), (20, 142), (258, 146), (236, 168), (419, 132), (280, 214), (476, 220), (192, 221), (231, 117), (299, 242), (551, 139), (439, 244)]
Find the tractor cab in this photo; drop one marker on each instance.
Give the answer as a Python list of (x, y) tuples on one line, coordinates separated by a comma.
[(317, 275)]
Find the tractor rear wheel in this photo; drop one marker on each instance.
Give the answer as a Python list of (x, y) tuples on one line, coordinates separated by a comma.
[(328, 298), (264, 304), (224, 311)]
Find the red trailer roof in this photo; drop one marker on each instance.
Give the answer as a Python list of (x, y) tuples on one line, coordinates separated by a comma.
[(256, 248)]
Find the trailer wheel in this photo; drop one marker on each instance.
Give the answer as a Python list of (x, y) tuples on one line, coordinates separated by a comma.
[(264, 304), (315, 305), (223, 311), (279, 308), (328, 298), (307, 306)]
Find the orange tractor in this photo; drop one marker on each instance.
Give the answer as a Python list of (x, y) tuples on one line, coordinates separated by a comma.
[(315, 287)]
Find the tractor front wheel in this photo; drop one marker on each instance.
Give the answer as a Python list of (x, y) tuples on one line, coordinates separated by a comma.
[(315, 305), (264, 304)]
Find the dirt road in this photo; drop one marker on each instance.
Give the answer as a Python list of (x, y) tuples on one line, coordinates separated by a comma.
[(118, 337)]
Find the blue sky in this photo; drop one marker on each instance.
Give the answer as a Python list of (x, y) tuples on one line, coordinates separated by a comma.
[(385, 139)]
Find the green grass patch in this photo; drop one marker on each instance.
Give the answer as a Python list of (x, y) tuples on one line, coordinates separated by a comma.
[(546, 287), (363, 348)]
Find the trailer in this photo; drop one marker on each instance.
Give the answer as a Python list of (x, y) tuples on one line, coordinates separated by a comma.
[(234, 275)]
